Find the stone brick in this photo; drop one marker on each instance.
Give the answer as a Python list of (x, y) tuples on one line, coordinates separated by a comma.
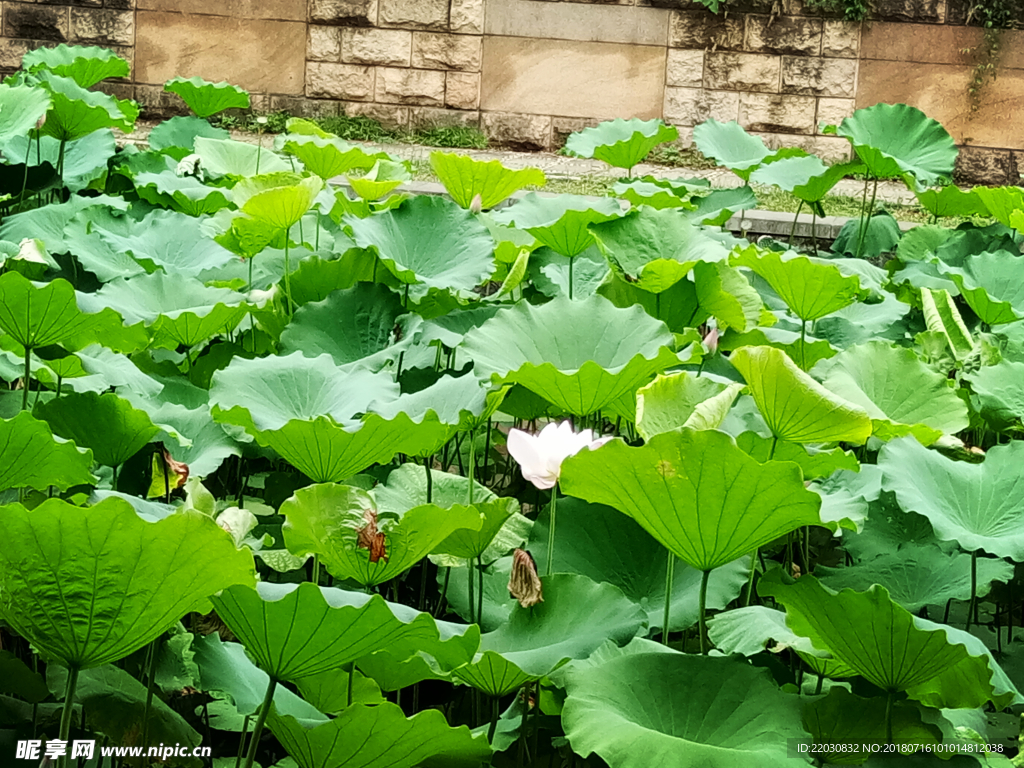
[(833, 111), (116, 88), (410, 86), (994, 167), (36, 22), (433, 117), (831, 149), (517, 131), (791, 35), (356, 13), (102, 27), (909, 10), (282, 10), (819, 77), (467, 17), (414, 14), (339, 81), (685, 68), (433, 51), (772, 112), (119, 5), (742, 72), (561, 127), (12, 51), (376, 46), (841, 39), (462, 90), (158, 103), (692, 106), (928, 43), (323, 43), (388, 115), (703, 29), (308, 108), (573, 21)]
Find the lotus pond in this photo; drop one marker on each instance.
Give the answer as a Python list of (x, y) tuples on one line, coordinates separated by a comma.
[(328, 476)]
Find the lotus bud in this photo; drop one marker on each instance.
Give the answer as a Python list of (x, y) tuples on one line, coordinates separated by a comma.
[(476, 204), (32, 251), (41, 122), (711, 341), (524, 583), (368, 537), (167, 475), (540, 456)]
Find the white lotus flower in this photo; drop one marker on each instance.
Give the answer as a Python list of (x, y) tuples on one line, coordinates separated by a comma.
[(189, 166), (31, 250), (540, 456), (260, 298)]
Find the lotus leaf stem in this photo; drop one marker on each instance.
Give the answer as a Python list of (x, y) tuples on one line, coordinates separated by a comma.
[(495, 713), (552, 508), (351, 680), (888, 717), (261, 721), (28, 377), (241, 742), (669, 581), (702, 620), (973, 606), (150, 686), (796, 218), (316, 570), (571, 260), (480, 589), (69, 706), (288, 273), (444, 593), (472, 579)]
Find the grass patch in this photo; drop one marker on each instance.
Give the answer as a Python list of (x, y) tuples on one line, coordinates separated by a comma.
[(680, 158)]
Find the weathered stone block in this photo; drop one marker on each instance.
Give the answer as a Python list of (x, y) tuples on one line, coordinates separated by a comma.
[(376, 46), (285, 10), (793, 35), (356, 13), (517, 131), (703, 29), (308, 108), (573, 21), (819, 77), (119, 5), (831, 149), (158, 103), (414, 14), (388, 115), (12, 51), (685, 68), (833, 111), (102, 27), (410, 86), (742, 72), (995, 167), (561, 127), (692, 106), (434, 51), (467, 17), (433, 117), (323, 43), (462, 90), (325, 80), (909, 10), (36, 22), (775, 113), (841, 39)]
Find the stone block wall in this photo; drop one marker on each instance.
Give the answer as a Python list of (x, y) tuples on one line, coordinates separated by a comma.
[(528, 72)]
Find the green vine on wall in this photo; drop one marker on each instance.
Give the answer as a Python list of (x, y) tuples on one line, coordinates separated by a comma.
[(851, 10), (994, 17)]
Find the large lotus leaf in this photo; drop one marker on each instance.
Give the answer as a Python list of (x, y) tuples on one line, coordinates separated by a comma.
[(429, 241), (897, 139), (1000, 388), (470, 542), (655, 249), (643, 192), (621, 143), (185, 194), (382, 179), (451, 401), (868, 632), (696, 492), (902, 395), (576, 617), (550, 274), (380, 736), (88, 586), (205, 98), (328, 157), (86, 65), (85, 159), (810, 288), (608, 546), (980, 506), (328, 520), (991, 284), (281, 207), (107, 424), (20, 107), (919, 575), (731, 146), (177, 136), (846, 496), (30, 457), (718, 206), (951, 201), (807, 178), (597, 354), (38, 316), (861, 322), (49, 222), (681, 711), (210, 444), (465, 177), (227, 157), (294, 631), (328, 691), (560, 222), (170, 241), (752, 629), (724, 294), (814, 462), (795, 406), (683, 400), (1002, 202), (75, 112)]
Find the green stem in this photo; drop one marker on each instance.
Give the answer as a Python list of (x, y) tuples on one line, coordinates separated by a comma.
[(472, 580), (750, 581), (60, 160), (150, 686), (888, 717), (69, 707), (807, 549), (551, 530), (814, 230), (803, 345), (494, 719), (28, 378), (702, 618), (444, 593), (775, 442), (974, 589), (669, 581), (261, 721), (480, 589), (865, 219), (796, 217), (316, 569), (471, 469), (571, 260), (351, 680), (288, 273), (241, 742)]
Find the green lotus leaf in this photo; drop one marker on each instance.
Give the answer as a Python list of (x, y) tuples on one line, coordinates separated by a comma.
[(751, 629), (20, 107), (278, 205), (980, 506), (576, 617), (682, 400), (206, 99), (990, 283), (327, 156), (328, 691), (607, 546), (807, 178), (882, 235), (561, 223), (687, 487), (184, 194), (1001, 202), (621, 143), (550, 273), (919, 575), (30, 457), (810, 288), (85, 159), (210, 444), (655, 249), (327, 520), (172, 242), (75, 112), (599, 354), (732, 147), (901, 393), (896, 139), (861, 322), (868, 632), (381, 180), (429, 242), (49, 222), (942, 317), (718, 206), (640, 192), (379, 737), (1000, 388), (106, 424), (294, 631), (177, 136), (465, 177), (846, 496), (952, 201), (724, 713), (813, 462), (724, 294), (470, 542), (406, 488), (86, 65), (227, 157), (795, 406), (88, 586)]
